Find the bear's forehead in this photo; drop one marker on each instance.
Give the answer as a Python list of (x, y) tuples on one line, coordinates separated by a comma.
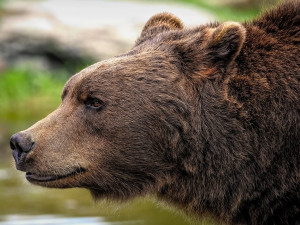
[(125, 65), (116, 70), (97, 69)]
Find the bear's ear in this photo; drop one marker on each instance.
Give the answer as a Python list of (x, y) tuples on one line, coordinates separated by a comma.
[(225, 44), (159, 23)]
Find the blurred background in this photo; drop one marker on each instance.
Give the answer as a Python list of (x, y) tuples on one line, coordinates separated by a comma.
[(42, 44)]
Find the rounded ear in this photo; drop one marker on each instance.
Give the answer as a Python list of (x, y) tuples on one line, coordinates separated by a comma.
[(225, 43), (159, 23)]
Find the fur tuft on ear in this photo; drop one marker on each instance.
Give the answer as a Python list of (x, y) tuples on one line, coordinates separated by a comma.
[(167, 19), (159, 23), (226, 43)]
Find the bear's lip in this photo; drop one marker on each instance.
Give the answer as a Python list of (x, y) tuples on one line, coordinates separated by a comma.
[(34, 177)]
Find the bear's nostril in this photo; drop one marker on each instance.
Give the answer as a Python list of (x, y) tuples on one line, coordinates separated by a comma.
[(12, 145)]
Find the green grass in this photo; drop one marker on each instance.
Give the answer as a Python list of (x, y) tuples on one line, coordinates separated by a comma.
[(226, 12), (27, 94)]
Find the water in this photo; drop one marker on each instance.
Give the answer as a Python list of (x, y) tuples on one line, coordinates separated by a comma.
[(53, 219), (22, 203), (57, 219)]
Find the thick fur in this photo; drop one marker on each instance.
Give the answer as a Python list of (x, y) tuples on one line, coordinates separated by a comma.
[(208, 118)]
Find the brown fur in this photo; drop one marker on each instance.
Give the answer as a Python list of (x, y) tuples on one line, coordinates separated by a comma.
[(208, 118)]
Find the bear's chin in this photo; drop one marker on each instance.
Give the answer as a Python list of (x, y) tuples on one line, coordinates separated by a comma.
[(67, 180)]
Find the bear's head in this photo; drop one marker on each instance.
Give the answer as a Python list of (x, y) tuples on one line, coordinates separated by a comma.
[(125, 124)]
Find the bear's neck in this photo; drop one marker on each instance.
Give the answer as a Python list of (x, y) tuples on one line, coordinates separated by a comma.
[(219, 165), (212, 165)]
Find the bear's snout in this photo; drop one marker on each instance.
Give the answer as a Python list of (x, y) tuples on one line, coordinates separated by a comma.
[(21, 144)]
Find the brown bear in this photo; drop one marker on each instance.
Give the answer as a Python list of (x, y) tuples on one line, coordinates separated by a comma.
[(206, 118)]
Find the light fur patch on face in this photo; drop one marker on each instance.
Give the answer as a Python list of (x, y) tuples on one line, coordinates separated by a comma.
[(77, 78)]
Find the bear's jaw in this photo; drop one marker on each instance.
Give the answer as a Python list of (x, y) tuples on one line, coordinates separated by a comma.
[(42, 178)]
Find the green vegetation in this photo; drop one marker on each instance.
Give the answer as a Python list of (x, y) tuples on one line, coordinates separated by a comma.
[(27, 94), (225, 12), (235, 11)]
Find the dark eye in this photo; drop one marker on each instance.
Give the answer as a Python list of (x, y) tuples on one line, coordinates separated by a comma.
[(94, 103)]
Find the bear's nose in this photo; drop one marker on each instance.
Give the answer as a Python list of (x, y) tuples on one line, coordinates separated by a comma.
[(21, 144)]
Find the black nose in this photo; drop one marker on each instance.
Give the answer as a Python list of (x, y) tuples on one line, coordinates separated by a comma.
[(21, 144)]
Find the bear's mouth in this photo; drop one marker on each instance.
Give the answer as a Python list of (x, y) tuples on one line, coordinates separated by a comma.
[(34, 177)]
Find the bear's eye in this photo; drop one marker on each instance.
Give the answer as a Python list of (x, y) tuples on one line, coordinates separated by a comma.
[(93, 103)]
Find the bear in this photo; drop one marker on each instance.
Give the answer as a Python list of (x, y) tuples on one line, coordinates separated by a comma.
[(205, 118)]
